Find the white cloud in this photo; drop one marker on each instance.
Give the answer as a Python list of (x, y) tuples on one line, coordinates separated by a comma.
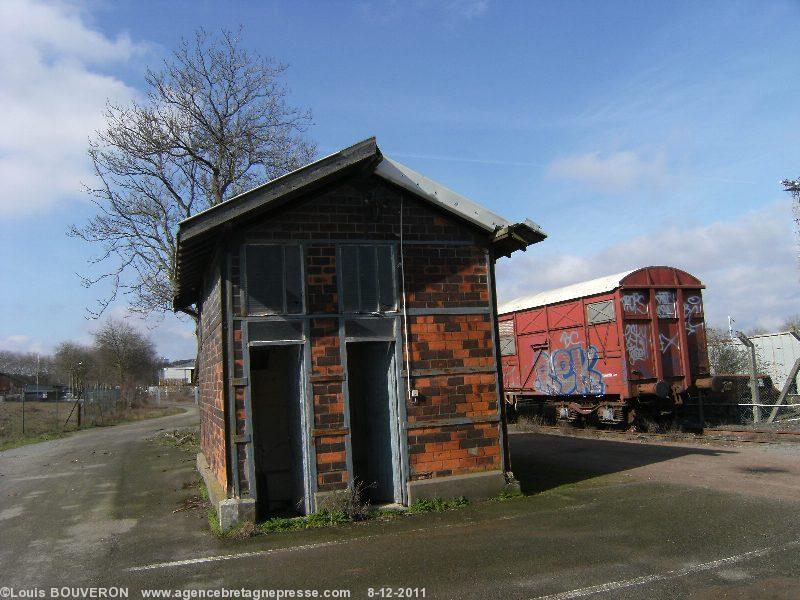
[(172, 335), (748, 265), (615, 172), (53, 91), (20, 343)]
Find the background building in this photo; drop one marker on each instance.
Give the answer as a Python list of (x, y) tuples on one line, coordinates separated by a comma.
[(180, 372)]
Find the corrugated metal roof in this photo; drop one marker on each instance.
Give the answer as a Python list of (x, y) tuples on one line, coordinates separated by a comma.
[(407, 178), (592, 287)]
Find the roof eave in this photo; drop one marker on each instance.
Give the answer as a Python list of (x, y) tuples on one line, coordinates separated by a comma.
[(517, 236)]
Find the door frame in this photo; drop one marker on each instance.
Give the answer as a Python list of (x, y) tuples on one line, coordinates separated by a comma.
[(395, 428), (309, 472)]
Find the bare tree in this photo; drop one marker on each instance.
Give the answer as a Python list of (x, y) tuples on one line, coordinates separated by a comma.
[(124, 356), (792, 323), (27, 364), (215, 123), (74, 364)]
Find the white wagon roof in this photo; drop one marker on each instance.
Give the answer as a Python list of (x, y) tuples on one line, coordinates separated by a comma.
[(592, 287)]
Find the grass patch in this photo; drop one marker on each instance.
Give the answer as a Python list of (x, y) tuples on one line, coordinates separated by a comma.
[(46, 421), (133, 415), (35, 439), (387, 514), (203, 489), (510, 492), (187, 439), (426, 505), (213, 522), (315, 520), (325, 517)]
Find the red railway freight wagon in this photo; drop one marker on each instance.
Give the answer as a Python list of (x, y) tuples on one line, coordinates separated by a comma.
[(613, 348)]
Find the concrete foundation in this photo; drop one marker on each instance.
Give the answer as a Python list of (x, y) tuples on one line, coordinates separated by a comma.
[(230, 511), (473, 486)]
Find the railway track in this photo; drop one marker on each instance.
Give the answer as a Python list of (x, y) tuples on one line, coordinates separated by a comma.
[(757, 436), (764, 436)]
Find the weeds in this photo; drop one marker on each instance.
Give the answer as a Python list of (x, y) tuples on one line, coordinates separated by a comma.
[(315, 520), (203, 489), (187, 439), (387, 514), (532, 422), (17, 442), (352, 502), (510, 492), (326, 517), (426, 505)]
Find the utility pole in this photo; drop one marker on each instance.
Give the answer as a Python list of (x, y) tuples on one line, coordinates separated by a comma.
[(793, 187)]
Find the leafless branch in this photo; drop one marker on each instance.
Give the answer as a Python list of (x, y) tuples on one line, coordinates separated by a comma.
[(215, 122)]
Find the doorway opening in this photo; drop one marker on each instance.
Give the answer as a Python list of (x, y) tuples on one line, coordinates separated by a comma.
[(372, 403), (277, 400)]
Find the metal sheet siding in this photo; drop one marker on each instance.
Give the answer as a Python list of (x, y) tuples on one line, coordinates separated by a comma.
[(778, 353)]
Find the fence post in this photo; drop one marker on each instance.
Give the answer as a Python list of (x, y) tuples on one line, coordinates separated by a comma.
[(753, 377), (196, 392), (786, 387)]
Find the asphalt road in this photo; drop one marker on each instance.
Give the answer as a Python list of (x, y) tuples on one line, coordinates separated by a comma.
[(602, 520)]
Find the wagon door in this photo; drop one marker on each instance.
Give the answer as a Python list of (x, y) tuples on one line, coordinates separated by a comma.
[(636, 331)]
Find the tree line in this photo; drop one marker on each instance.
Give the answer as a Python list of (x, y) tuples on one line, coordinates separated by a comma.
[(119, 356)]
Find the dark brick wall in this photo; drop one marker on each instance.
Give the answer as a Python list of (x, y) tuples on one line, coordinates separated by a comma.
[(358, 209), (321, 292), (210, 376), (445, 276)]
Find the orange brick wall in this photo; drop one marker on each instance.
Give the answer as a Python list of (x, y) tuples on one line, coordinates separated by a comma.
[(210, 378), (327, 377), (442, 451)]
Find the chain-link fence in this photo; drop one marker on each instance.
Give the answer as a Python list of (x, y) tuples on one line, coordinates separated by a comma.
[(743, 399), (31, 417), (171, 394)]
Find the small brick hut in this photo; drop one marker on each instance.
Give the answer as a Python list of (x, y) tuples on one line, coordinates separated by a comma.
[(347, 325)]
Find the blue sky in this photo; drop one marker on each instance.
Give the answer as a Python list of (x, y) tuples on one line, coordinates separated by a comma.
[(634, 133)]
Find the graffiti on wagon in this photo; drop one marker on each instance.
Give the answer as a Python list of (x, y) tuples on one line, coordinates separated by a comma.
[(692, 309), (636, 342), (569, 370), (665, 304), (634, 303)]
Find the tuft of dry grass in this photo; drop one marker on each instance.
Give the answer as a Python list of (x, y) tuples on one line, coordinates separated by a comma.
[(532, 423)]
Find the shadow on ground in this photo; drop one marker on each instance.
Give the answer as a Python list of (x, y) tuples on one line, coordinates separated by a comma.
[(541, 462)]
